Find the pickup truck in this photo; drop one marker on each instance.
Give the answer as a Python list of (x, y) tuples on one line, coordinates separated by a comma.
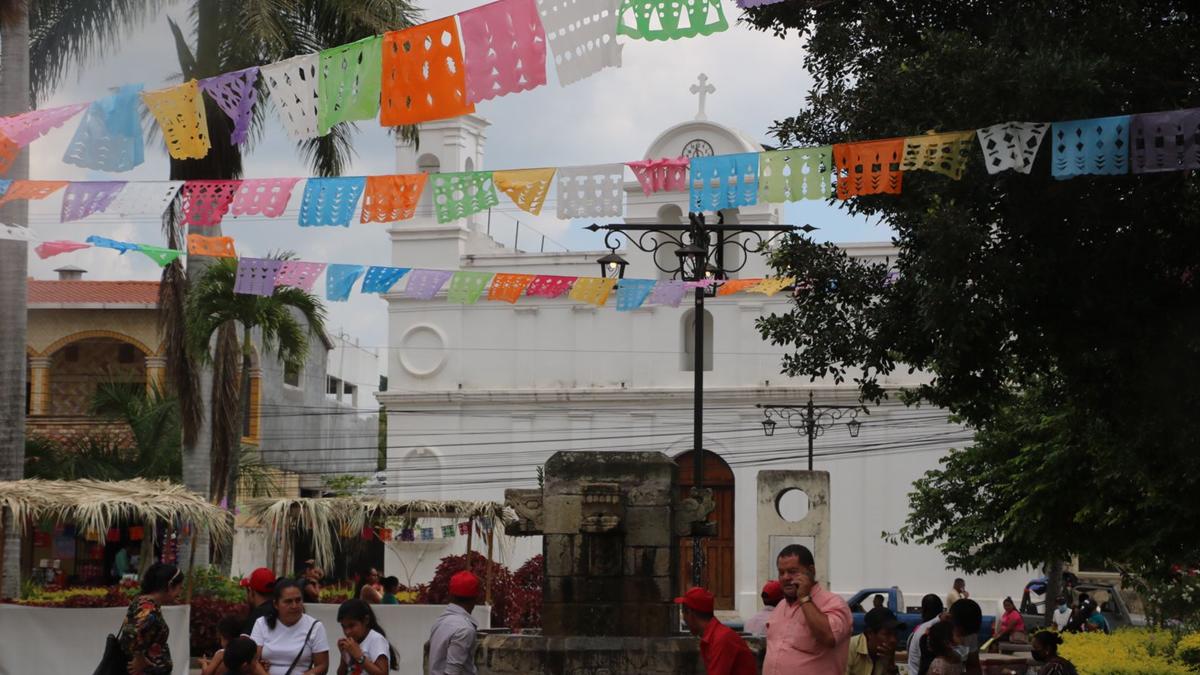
[(862, 601)]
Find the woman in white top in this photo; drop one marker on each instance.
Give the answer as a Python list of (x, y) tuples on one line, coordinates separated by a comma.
[(365, 649), (290, 641)]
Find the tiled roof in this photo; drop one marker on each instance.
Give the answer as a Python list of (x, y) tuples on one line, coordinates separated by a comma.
[(93, 292)]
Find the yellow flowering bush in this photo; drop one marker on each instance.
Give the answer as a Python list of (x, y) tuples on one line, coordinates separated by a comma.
[(1188, 650), (1126, 652)]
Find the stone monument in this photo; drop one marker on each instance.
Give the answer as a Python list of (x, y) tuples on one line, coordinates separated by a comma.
[(610, 524)]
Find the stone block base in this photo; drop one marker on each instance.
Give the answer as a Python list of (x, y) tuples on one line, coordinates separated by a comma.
[(508, 654)]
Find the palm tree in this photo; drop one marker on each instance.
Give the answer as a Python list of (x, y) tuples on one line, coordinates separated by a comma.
[(284, 322)]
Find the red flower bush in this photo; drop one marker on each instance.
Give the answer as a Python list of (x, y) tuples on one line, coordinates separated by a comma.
[(207, 612), (438, 590), (525, 603)]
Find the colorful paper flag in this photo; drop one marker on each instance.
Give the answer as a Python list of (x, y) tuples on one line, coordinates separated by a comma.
[(549, 286), (25, 128), (49, 249), (467, 287), (670, 19), (771, 286), (256, 276), (339, 281), (122, 247), (389, 199), (945, 153), (83, 198), (869, 167), (505, 48), (349, 83), (447, 532), (509, 287), (32, 190), (425, 284), (381, 279), (293, 87), (592, 290), (596, 191), (267, 197), (724, 181), (582, 36), (731, 286), (205, 202), (109, 137), (145, 198), (235, 93), (796, 174), (1097, 146), (423, 75), (459, 195), (330, 201), (407, 534), (15, 232), (181, 116), (1166, 141), (669, 292), (161, 256), (669, 174), (299, 274), (632, 293), (8, 153), (527, 188), (464, 528), (426, 534), (1012, 145), (213, 247)]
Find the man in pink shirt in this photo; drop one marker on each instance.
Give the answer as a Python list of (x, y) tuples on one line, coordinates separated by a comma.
[(808, 632)]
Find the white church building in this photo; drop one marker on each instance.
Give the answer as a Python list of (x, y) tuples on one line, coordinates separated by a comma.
[(481, 395)]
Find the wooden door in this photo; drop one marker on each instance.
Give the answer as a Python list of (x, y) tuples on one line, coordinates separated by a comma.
[(718, 551)]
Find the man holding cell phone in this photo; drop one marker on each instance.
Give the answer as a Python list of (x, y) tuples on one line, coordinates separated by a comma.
[(808, 633)]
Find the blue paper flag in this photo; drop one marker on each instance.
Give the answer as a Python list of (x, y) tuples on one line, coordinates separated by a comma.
[(109, 137), (1097, 146), (339, 281), (632, 293), (381, 279), (122, 246), (724, 181), (4, 185), (330, 201)]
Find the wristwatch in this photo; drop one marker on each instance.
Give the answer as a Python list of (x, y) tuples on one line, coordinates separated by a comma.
[(805, 599), (360, 660)]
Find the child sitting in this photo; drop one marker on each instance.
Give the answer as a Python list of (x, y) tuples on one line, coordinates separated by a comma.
[(241, 658), (364, 649), (228, 629)]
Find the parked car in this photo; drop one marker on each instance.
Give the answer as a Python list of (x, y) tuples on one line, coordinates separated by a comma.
[(893, 598), (1112, 605)]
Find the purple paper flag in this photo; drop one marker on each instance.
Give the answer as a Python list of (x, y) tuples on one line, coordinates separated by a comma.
[(256, 276), (235, 94), (1166, 141), (424, 284), (668, 292), (746, 4), (299, 274), (85, 198)]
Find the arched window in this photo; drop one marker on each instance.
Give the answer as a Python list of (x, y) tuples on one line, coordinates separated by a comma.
[(687, 354), (668, 214), (427, 163)]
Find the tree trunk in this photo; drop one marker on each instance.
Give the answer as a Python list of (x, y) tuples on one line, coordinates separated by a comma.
[(231, 481), (1054, 577), (14, 98)]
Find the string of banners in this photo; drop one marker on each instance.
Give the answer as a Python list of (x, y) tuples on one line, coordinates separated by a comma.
[(397, 531), (436, 70), (1143, 143), (262, 276)]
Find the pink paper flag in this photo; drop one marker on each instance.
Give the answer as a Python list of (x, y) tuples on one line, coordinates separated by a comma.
[(206, 201), (49, 249), (27, 127), (263, 196), (662, 175), (235, 94), (84, 198), (299, 274), (505, 48)]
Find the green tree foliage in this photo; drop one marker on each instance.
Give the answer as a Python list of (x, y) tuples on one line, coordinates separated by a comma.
[(1058, 318)]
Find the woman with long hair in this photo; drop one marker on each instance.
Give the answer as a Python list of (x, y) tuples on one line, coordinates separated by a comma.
[(938, 653), (1045, 649), (365, 647), (292, 642), (144, 633)]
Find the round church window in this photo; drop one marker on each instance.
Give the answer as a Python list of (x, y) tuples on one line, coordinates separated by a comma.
[(792, 505)]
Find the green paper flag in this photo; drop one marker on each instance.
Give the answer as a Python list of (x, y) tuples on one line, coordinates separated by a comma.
[(458, 195), (350, 77), (162, 256), (466, 287), (793, 175), (670, 19)]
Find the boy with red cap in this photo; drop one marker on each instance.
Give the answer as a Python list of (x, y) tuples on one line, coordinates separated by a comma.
[(772, 593), (260, 586), (452, 638), (724, 651)]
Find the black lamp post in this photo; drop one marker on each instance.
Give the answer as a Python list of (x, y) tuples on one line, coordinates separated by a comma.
[(810, 420), (700, 252)]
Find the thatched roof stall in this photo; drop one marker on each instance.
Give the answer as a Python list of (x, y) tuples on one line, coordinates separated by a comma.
[(99, 505), (322, 516)]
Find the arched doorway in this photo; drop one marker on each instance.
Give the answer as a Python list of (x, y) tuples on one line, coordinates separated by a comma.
[(718, 551)]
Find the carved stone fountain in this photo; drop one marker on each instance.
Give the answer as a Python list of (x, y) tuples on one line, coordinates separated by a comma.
[(610, 523)]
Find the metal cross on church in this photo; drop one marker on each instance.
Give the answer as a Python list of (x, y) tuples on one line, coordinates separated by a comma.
[(703, 89)]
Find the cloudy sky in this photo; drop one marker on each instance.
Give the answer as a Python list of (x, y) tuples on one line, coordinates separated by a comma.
[(610, 117)]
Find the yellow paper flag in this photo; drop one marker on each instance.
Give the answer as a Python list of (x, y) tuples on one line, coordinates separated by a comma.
[(946, 153), (180, 113), (592, 290), (526, 187), (771, 286)]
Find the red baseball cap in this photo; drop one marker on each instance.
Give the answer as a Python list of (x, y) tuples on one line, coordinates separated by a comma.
[(261, 580), (464, 585), (697, 600), (773, 591)]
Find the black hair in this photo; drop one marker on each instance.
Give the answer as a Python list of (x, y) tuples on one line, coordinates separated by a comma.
[(160, 577), (281, 585), (1009, 600), (931, 607), (391, 584), (967, 616), (1050, 639), (360, 610), (959, 580), (937, 641), (230, 627), (240, 651), (801, 552)]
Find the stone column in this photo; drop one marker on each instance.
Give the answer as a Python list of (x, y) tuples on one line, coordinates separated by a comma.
[(156, 373), (39, 385)]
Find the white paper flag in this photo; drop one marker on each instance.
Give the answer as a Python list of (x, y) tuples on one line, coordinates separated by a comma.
[(293, 87), (591, 191)]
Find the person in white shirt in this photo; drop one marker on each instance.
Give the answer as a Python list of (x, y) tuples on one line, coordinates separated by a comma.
[(365, 648), (772, 593), (452, 638), (290, 641), (1062, 614), (959, 592), (931, 612)]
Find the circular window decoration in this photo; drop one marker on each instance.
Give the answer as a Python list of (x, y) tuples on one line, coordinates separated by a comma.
[(792, 505), (422, 350)]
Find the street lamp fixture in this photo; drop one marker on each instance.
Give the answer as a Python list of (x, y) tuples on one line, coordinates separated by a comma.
[(769, 427), (853, 426), (612, 266), (811, 420)]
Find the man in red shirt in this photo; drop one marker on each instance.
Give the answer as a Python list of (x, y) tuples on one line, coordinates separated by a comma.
[(724, 651)]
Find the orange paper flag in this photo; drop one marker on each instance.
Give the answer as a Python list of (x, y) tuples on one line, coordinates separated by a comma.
[(32, 189), (214, 247), (391, 198), (423, 74), (509, 287), (869, 167), (737, 286), (8, 152)]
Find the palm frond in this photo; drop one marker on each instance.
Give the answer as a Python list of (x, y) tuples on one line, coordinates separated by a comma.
[(183, 51), (75, 32), (329, 155)]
